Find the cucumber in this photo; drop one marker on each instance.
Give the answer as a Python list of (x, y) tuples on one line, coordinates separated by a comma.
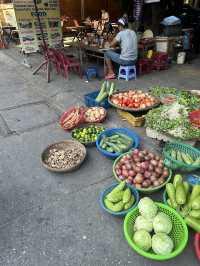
[(177, 180), (186, 187), (180, 194), (171, 194), (193, 223), (173, 154), (187, 158), (195, 214), (113, 146), (178, 156), (194, 194), (124, 136), (197, 161), (195, 204)]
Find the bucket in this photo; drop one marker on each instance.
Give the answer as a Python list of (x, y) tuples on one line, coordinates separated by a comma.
[(181, 58), (162, 44)]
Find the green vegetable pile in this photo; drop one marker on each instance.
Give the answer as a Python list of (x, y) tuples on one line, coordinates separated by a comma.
[(150, 221), (185, 202), (184, 158), (87, 134), (118, 142), (172, 120), (120, 198), (107, 89), (184, 97)]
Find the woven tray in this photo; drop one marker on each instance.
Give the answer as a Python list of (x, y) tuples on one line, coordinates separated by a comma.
[(133, 109), (60, 146)]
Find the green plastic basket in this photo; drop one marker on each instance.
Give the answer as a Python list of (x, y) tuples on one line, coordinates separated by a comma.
[(174, 164), (179, 233)]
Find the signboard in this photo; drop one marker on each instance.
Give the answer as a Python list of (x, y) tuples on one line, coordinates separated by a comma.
[(7, 15), (29, 30), (151, 1)]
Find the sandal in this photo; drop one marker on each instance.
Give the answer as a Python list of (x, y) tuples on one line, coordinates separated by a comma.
[(110, 76)]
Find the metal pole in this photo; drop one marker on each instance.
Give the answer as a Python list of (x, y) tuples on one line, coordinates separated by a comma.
[(82, 9), (40, 26)]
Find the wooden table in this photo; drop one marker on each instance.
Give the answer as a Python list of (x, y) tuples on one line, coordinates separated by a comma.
[(78, 31), (94, 52)]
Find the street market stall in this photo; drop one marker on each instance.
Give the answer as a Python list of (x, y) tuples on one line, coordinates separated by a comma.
[(155, 230)]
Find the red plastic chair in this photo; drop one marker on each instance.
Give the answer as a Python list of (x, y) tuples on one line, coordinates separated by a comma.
[(57, 60), (68, 64)]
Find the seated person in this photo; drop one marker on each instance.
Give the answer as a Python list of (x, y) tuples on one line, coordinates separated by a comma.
[(102, 22), (129, 49), (104, 16)]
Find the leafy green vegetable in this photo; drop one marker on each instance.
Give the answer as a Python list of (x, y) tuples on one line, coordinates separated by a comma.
[(143, 239), (162, 244), (147, 208), (141, 223), (172, 120), (162, 223), (184, 97)]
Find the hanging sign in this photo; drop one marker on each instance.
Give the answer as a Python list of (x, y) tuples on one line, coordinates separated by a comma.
[(151, 1), (29, 30)]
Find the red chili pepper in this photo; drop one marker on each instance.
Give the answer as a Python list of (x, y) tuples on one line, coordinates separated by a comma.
[(197, 245)]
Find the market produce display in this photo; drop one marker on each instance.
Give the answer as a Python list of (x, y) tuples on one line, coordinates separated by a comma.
[(152, 228), (120, 198), (172, 120), (63, 156), (195, 118), (155, 231), (184, 158), (94, 114), (133, 100), (141, 168), (181, 156), (72, 117), (107, 89), (88, 134), (185, 200), (117, 143), (186, 98)]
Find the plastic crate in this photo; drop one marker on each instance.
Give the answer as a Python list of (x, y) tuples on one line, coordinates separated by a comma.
[(90, 100)]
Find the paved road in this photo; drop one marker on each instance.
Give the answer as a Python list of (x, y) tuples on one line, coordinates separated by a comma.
[(51, 219)]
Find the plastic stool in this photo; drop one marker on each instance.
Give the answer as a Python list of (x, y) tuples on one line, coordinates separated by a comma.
[(91, 72), (127, 72)]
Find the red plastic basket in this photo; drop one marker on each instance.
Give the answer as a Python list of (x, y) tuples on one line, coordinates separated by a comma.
[(195, 118), (197, 245), (78, 121)]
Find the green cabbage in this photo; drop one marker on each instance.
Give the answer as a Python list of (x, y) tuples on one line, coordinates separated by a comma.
[(162, 223), (147, 208), (142, 239), (162, 244), (141, 223)]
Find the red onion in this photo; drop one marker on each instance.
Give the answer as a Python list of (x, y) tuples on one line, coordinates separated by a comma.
[(136, 151), (138, 179), (131, 173), (157, 158), (154, 162), (147, 174)]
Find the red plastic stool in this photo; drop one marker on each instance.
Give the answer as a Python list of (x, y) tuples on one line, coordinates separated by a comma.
[(160, 61), (197, 245), (144, 66)]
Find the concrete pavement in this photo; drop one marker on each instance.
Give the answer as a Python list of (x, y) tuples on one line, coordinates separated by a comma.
[(48, 219)]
